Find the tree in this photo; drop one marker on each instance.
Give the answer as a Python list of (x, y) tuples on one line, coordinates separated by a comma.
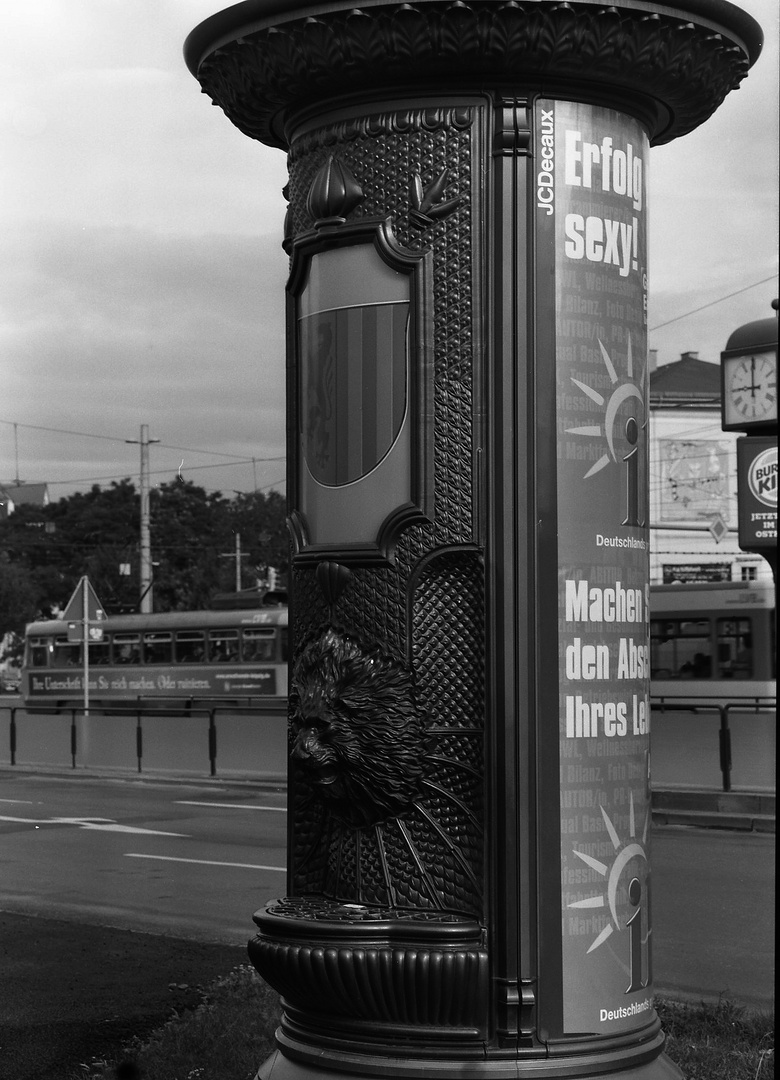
[(260, 520), (187, 536), (193, 541), (98, 533), (18, 599), (86, 533)]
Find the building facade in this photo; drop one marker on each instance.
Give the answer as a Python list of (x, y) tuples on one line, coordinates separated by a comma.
[(12, 496), (693, 479)]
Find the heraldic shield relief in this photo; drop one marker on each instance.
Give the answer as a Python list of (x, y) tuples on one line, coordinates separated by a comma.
[(362, 387), (353, 333)]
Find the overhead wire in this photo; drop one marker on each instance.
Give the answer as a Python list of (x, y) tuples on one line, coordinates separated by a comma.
[(234, 459), (712, 303), (159, 472), (239, 458)]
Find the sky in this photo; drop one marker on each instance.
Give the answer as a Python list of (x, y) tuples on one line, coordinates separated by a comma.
[(141, 270)]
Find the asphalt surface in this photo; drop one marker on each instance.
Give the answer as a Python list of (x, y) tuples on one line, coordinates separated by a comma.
[(162, 857), (74, 990)]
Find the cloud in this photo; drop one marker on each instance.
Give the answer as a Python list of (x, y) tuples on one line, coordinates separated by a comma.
[(108, 328), (141, 275), (713, 214)]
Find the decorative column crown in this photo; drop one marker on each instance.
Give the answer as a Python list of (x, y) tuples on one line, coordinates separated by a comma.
[(671, 64)]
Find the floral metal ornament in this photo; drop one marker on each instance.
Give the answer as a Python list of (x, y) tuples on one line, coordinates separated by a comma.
[(429, 204)]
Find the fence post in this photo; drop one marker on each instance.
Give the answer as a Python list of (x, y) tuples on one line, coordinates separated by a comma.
[(212, 742), (725, 747), (73, 738), (12, 733), (139, 739)]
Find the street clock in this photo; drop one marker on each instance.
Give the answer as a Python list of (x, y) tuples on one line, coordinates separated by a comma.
[(748, 379), (749, 390)]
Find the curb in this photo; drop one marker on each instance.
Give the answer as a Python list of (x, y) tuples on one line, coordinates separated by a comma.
[(704, 820), (744, 811), (264, 781), (733, 810)]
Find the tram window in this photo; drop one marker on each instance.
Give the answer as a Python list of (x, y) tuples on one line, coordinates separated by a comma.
[(66, 653), (38, 652), (127, 649), (223, 646), (735, 649), (99, 651), (680, 649), (158, 648), (258, 644), (190, 647), (284, 639)]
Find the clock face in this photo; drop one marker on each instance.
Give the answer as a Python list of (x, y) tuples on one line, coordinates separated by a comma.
[(750, 389)]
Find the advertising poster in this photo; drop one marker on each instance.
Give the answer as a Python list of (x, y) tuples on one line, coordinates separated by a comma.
[(159, 682), (757, 492), (694, 479), (591, 208)]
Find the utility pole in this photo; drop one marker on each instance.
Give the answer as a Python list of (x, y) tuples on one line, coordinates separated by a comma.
[(16, 454), (238, 556), (145, 603)]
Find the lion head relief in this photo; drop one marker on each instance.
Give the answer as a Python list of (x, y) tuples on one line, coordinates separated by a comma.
[(357, 730)]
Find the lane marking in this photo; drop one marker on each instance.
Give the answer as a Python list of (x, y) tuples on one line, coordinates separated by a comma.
[(230, 806), (204, 862), (97, 824), (27, 802)]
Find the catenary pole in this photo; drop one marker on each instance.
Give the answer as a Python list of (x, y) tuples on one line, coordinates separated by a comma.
[(146, 602)]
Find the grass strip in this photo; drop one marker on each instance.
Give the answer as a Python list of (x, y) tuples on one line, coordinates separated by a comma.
[(230, 1034), (718, 1041)]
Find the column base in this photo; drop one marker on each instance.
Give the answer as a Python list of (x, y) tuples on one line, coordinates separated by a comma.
[(280, 1067)]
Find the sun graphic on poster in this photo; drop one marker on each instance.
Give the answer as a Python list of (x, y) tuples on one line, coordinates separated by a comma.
[(623, 391), (633, 848)]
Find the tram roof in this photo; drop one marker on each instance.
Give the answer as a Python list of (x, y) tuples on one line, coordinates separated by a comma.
[(711, 596)]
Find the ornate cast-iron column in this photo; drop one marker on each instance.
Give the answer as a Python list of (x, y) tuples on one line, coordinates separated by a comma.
[(469, 871)]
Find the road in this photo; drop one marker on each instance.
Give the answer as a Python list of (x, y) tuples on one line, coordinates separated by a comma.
[(196, 860), (189, 860), (714, 914)]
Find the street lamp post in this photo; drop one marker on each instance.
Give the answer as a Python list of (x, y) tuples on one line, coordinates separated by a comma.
[(469, 860)]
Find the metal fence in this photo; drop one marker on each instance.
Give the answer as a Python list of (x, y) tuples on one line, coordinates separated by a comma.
[(247, 739), (707, 737), (696, 744)]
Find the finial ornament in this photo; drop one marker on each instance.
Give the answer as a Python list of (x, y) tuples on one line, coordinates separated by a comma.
[(334, 193)]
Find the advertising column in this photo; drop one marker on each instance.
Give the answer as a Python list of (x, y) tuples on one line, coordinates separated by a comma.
[(591, 209)]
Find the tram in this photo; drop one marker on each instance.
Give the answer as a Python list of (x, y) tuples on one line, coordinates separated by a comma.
[(713, 689), (216, 656), (713, 640)]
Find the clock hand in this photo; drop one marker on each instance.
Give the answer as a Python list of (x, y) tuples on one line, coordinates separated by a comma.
[(753, 386)]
